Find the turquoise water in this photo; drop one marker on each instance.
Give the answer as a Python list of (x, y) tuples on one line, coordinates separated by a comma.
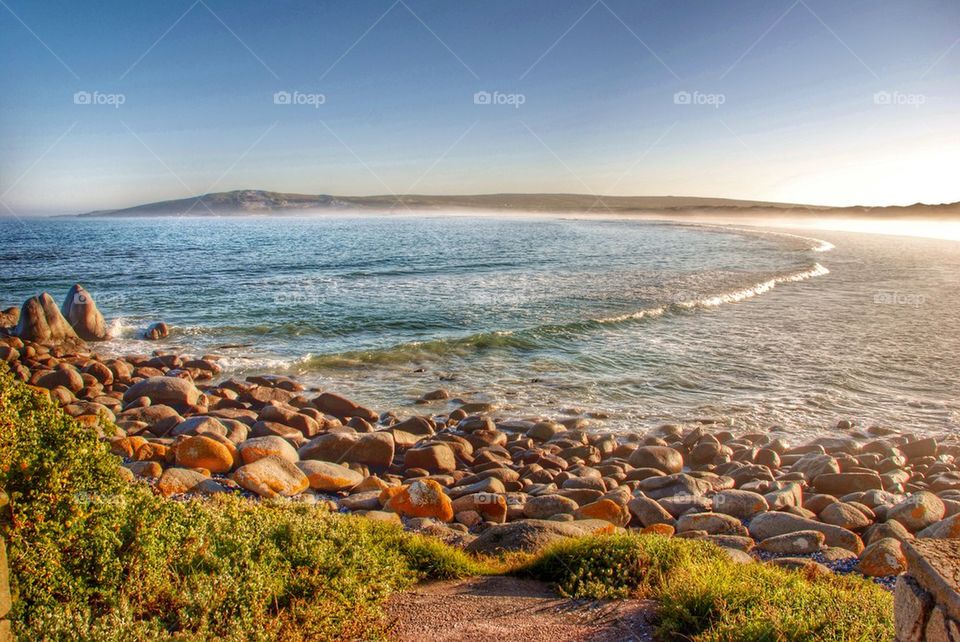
[(643, 322)]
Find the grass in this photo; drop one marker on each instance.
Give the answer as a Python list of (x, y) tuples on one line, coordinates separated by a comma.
[(94, 557), (704, 597)]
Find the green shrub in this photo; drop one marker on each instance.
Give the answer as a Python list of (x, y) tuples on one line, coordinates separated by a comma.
[(94, 557), (704, 597)]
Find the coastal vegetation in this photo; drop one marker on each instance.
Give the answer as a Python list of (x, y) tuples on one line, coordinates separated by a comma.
[(95, 557)]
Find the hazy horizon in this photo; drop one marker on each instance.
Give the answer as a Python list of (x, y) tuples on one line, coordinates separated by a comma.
[(798, 101)]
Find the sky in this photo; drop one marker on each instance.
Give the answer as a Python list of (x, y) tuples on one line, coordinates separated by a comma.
[(830, 102)]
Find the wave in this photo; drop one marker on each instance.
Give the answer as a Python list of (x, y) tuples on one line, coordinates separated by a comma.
[(544, 336), (811, 244)]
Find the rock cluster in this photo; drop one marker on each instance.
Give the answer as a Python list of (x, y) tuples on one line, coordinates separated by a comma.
[(491, 483)]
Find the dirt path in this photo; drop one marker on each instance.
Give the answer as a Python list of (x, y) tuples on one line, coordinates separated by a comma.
[(506, 608)]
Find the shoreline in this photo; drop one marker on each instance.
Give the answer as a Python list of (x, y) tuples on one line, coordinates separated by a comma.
[(493, 484)]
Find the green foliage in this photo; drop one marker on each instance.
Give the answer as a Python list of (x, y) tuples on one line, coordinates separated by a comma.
[(704, 597), (95, 557)]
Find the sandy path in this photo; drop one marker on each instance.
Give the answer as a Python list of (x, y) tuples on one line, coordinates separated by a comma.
[(506, 608)]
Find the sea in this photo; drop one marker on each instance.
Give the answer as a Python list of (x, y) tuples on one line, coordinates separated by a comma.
[(629, 323)]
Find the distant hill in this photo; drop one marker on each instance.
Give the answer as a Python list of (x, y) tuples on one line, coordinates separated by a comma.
[(265, 202)]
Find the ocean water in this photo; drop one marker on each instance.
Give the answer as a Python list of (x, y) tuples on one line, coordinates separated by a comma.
[(636, 323)]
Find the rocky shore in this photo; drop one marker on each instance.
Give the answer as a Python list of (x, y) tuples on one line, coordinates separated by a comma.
[(491, 484)]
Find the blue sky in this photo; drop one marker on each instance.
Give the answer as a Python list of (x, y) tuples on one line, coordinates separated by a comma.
[(828, 102)]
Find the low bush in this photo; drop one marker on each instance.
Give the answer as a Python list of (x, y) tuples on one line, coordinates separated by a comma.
[(705, 597)]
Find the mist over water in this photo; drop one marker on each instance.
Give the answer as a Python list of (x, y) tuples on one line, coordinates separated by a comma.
[(644, 322)]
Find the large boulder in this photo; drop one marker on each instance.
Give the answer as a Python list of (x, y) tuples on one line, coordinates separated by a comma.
[(373, 449), (329, 477), (660, 458), (80, 311), (422, 498), (42, 322), (271, 477), (164, 390), (339, 406), (920, 510), (201, 451), (10, 317), (766, 525), (533, 535)]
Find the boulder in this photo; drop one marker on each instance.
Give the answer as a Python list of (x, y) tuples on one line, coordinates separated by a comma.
[(64, 375), (10, 317), (339, 406), (435, 458), (845, 516), (422, 498), (178, 481), (769, 524), (948, 528), (490, 507), (839, 484), (661, 458), (797, 543), (271, 477), (533, 535), (329, 477), (605, 509), (259, 447), (164, 390), (157, 331), (201, 451), (373, 449), (80, 311), (41, 322), (712, 523), (742, 504), (546, 506), (918, 511), (650, 512), (882, 558)]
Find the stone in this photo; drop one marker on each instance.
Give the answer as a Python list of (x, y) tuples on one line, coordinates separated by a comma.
[(339, 406), (10, 317), (935, 565), (664, 530), (796, 543), (201, 451), (178, 481), (649, 512), (605, 509), (741, 504), (64, 375), (941, 628), (803, 564), (546, 506), (918, 511), (164, 390), (812, 465), (259, 447), (199, 425), (329, 477), (490, 507), (838, 484), (80, 311), (373, 449), (739, 542), (790, 495), (435, 458), (41, 322), (845, 516), (911, 610), (533, 535), (661, 458), (890, 528), (712, 523), (948, 528), (159, 419), (422, 498), (769, 524), (271, 477), (157, 331), (882, 558)]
